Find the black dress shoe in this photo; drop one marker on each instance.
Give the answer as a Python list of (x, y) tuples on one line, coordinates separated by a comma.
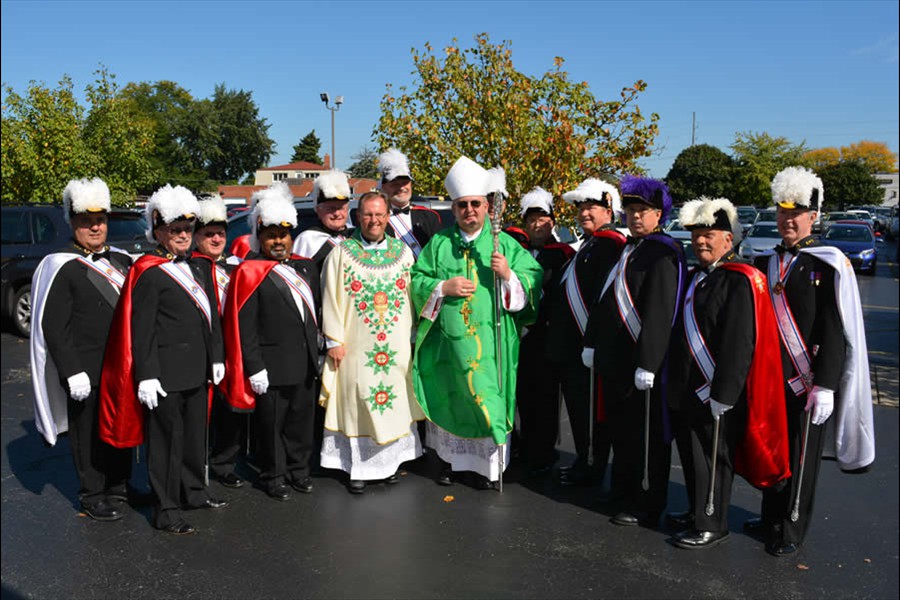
[(357, 486), (446, 477), (279, 492), (781, 548), (630, 519), (480, 482), (230, 480), (759, 528), (304, 486), (695, 540), (102, 511), (395, 478), (680, 520), (180, 528), (213, 503)]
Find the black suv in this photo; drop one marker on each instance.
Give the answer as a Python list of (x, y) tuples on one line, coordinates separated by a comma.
[(31, 232)]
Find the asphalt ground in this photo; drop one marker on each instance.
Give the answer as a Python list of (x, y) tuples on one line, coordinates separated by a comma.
[(419, 540)]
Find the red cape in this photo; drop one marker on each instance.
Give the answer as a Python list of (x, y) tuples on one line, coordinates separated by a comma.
[(763, 458), (121, 415), (245, 279), (564, 248), (240, 246)]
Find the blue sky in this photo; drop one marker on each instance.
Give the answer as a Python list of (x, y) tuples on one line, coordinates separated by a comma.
[(823, 72)]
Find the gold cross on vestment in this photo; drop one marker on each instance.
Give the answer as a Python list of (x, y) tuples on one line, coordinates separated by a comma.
[(465, 311)]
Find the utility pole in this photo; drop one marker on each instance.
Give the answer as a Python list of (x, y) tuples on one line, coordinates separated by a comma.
[(693, 126)]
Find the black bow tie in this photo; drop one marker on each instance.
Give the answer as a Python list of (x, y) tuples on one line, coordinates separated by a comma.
[(781, 249), (397, 211), (632, 240), (98, 255), (180, 258)]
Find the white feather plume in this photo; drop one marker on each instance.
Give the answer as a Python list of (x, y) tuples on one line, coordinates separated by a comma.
[(171, 203), (593, 189), (795, 185), (212, 210), (270, 206), (537, 198), (331, 185), (85, 195), (393, 164), (497, 181), (703, 212)]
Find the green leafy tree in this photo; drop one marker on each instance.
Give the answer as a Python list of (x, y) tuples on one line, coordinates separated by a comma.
[(166, 106), (120, 139), (849, 182), (758, 157), (42, 144), (307, 150), (243, 142), (700, 170), (545, 130), (365, 163)]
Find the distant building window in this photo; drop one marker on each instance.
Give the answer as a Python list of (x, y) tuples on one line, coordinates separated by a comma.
[(280, 176), (884, 181)]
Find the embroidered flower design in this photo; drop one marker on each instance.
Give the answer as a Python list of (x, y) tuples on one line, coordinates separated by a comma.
[(363, 305), (401, 283), (355, 285), (381, 336)]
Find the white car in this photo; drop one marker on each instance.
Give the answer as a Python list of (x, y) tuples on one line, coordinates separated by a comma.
[(762, 237)]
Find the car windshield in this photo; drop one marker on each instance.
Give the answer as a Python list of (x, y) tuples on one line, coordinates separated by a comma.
[(843, 233), (837, 216), (675, 225), (766, 215), (746, 214), (126, 227), (764, 231)]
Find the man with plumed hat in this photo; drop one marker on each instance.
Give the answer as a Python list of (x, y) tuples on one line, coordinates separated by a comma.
[(466, 395), (725, 375), (537, 393), (167, 340), (629, 329), (596, 203), (824, 358), (74, 293), (331, 199), (367, 320), (272, 336), (226, 426), (413, 224)]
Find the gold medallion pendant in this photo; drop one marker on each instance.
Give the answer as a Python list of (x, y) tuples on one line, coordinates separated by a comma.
[(779, 287)]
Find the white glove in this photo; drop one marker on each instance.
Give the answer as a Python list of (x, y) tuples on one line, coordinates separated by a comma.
[(587, 357), (149, 391), (218, 373), (260, 382), (821, 401), (79, 386), (718, 409), (643, 380)]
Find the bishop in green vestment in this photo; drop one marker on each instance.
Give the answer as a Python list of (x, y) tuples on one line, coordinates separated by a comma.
[(455, 369)]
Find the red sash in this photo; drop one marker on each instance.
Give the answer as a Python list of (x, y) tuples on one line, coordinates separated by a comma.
[(763, 458)]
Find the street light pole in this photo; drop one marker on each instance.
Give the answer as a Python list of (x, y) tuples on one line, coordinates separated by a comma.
[(337, 106)]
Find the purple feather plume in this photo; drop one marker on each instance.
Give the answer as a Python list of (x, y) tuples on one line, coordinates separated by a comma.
[(645, 187)]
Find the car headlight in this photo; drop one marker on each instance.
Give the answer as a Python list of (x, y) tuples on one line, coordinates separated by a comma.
[(867, 253)]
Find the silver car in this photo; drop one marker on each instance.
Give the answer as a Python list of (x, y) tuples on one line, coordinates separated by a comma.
[(762, 237)]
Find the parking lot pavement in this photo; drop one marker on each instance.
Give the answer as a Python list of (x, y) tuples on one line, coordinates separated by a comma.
[(420, 540)]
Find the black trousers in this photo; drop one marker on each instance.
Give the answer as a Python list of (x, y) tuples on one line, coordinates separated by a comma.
[(227, 433), (101, 468), (284, 426), (625, 414), (681, 428), (778, 503), (576, 388), (176, 453), (702, 431), (537, 398)]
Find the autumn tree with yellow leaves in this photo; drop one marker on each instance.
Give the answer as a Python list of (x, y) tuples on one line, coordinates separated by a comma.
[(545, 130)]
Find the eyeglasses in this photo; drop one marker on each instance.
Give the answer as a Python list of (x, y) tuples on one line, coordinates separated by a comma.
[(463, 205), (177, 229), (212, 234), (370, 217)]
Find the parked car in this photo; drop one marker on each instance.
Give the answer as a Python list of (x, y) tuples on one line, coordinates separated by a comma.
[(766, 215), (857, 241), (677, 231), (32, 231), (763, 236), (862, 215), (746, 217)]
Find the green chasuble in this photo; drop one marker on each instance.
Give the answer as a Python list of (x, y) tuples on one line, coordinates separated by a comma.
[(455, 364)]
